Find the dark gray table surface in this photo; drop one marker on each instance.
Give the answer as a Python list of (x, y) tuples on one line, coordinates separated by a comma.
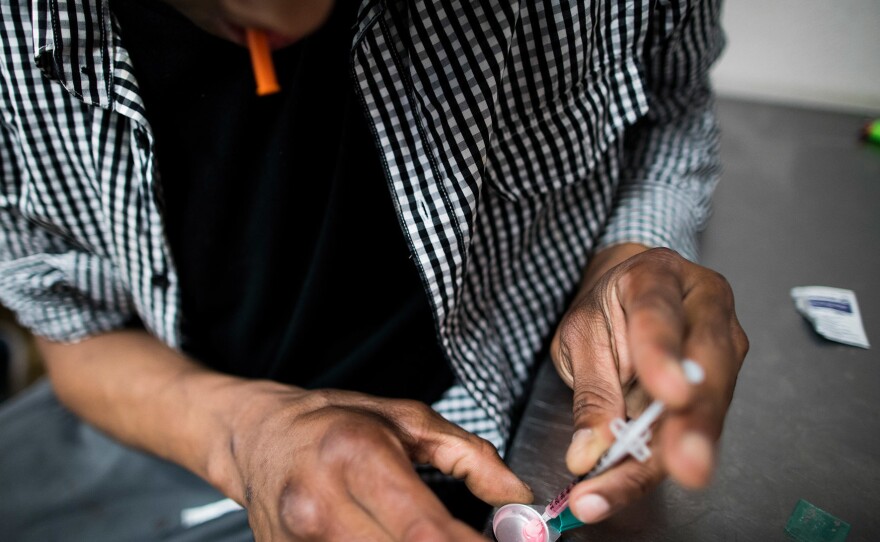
[(797, 206)]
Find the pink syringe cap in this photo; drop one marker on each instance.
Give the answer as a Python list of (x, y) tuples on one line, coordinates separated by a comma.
[(521, 523)]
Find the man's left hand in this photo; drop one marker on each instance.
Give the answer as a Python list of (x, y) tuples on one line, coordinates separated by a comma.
[(638, 314)]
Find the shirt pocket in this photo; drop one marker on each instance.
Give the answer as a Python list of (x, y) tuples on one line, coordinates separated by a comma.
[(59, 178)]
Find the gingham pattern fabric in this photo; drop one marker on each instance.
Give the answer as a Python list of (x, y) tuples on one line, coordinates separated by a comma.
[(518, 138)]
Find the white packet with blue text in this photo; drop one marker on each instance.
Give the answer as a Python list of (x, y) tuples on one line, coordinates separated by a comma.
[(833, 312)]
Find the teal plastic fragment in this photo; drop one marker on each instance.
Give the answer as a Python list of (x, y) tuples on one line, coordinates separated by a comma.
[(564, 521), (808, 523)]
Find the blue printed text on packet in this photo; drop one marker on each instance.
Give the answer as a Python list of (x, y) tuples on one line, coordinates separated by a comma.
[(835, 304)]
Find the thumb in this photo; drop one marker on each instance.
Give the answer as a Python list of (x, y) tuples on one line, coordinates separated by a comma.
[(598, 399)]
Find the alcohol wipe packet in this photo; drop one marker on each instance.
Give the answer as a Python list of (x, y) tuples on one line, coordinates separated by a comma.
[(833, 312)]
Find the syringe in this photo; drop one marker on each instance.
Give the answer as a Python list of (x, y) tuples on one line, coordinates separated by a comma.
[(630, 439)]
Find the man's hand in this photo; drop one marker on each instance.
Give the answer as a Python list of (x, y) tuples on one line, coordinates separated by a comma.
[(333, 465), (308, 465), (619, 346)]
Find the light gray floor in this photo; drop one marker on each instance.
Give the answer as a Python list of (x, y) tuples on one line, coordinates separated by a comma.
[(799, 205)]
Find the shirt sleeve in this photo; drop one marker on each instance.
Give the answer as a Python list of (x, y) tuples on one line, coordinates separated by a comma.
[(671, 163), (57, 289)]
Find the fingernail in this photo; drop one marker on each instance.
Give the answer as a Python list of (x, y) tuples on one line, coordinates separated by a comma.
[(591, 508), (580, 441), (696, 449), (578, 456), (581, 435)]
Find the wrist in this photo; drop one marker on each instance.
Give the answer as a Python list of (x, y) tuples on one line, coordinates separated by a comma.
[(240, 406), (208, 427), (606, 259)]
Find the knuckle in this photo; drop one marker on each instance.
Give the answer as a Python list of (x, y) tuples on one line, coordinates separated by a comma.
[(483, 447), (319, 399), (664, 254), (720, 286), (740, 341), (467, 453), (657, 258), (595, 398), (413, 410), (346, 439), (648, 266), (640, 480), (301, 513), (412, 419), (421, 530)]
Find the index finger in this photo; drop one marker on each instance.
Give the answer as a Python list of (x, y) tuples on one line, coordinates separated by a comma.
[(432, 439), (387, 487), (717, 340), (651, 294)]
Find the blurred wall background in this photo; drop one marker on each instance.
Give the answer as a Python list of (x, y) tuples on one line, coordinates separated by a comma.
[(807, 52)]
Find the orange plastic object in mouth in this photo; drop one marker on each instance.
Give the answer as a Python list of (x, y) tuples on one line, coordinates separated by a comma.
[(261, 59)]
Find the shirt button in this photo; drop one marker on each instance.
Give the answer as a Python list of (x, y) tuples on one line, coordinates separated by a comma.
[(142, 139), (160, 280)]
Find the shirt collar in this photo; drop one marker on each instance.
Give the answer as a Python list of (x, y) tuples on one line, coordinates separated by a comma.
[(368, 12), (76, 44)]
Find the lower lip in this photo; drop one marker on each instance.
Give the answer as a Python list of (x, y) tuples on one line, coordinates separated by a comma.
[(275, 41)]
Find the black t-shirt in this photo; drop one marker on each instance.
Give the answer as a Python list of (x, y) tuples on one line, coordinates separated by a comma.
[(291, 262)]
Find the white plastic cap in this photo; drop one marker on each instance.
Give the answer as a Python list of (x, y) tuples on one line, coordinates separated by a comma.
[(692, 371)]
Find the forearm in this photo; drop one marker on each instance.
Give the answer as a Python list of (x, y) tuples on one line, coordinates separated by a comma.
[(145, 394), (671, 159)]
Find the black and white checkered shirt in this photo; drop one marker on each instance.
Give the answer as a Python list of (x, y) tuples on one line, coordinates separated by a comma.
[(518, 137)]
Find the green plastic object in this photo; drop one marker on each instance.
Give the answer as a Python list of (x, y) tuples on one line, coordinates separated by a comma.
[(564, 521), (808, 523), (871, 132)]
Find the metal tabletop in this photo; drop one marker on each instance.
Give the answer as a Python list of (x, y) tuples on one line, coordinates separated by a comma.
[(799, 204)]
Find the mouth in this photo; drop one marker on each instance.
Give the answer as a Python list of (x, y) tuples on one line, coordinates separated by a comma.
[(277, 41), (236, 34)]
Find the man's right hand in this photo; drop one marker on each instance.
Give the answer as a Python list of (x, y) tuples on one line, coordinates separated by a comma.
[(334, 465), (308, 465)]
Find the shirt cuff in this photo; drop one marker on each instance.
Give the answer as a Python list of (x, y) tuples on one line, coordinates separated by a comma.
[(64, 297), (656, 215)]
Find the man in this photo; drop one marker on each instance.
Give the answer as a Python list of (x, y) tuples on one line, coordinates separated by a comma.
[(208, 270)]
